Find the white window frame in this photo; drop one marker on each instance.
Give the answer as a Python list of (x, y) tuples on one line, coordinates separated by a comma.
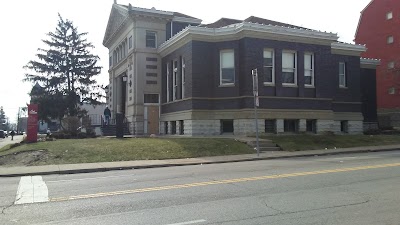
[(273, 65), (183, 77), (312, 69), (155, 37), (294, 69), (389, 15), (174, 80), (392, 91), (168, 82), (390, 39), (220, 67), (390, 65), (343, 75)]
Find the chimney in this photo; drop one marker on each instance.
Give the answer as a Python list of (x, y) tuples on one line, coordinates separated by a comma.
[(130, 6), (115, 1)]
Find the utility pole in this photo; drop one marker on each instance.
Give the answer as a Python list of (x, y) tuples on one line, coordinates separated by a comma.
[(254, 74), (18, 115)]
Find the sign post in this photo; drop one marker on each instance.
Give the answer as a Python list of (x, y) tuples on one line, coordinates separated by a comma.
[(254, 74), (33, 119)]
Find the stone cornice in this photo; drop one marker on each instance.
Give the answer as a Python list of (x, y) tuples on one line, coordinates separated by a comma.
[(347, 49), (245, 29), (369, 63), (186, 20)]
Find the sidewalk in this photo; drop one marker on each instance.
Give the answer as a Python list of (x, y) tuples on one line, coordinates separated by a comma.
[(140, 164)]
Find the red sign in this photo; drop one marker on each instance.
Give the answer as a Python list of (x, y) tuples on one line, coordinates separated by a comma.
[(33, 119)]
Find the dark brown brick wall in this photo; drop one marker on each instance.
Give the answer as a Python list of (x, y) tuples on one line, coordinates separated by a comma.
[(203, 77)]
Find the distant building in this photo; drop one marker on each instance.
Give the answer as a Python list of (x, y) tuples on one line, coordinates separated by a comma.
[(378, 28), (169, 74)]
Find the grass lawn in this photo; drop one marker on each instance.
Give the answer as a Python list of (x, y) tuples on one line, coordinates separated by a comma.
[(313, 142), (107, 150)]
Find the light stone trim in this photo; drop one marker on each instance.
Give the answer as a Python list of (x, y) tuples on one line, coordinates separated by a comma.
[(245, 29), (367, 63), (247, 114)]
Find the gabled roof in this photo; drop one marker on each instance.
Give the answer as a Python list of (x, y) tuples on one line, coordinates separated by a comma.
[(117, 16), (120, 13)]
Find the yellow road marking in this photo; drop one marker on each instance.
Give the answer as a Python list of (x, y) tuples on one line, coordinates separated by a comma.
[(229, 181)]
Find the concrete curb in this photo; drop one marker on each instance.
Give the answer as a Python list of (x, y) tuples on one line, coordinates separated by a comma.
[(200, 162)]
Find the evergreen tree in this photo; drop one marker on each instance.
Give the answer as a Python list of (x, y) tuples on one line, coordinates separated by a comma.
[(66, 70)]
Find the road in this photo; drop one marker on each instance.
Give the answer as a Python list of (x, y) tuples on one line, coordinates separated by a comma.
[(357, 189)]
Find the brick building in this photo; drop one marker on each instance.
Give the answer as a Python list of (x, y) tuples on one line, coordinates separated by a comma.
[(308, 81), (378, 28)]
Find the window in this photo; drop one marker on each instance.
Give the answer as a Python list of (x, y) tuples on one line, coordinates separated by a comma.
[(181, 127), (153, 67), (183, 78), (390, 39), (227, 126), (115, 57), (309, 69), (110, 61), (130, 42), (151, 59), (151, 39), (151, 74), (311, 126), (344, 126), (392, 91), (173, 127), (227, 67), (166, 127), (270, 126), (389, 15), (151, 82), (269, 72), (342, 74), (151, 98), (168, 82), (289, 75), (291, 126), (123, 50), (175, 81), (391, 65)]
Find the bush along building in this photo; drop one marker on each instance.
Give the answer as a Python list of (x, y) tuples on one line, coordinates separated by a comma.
[(170, 74), (378, 28)]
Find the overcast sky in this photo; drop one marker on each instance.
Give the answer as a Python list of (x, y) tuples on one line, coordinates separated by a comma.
[(24, 24)]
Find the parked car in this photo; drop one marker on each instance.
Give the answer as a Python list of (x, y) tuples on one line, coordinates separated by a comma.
[(2, 134)]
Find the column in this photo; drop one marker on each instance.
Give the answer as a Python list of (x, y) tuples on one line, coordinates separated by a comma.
[(279, 126), (302, 125)]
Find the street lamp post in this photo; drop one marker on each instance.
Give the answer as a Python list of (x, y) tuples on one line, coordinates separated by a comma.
[(254, 74)]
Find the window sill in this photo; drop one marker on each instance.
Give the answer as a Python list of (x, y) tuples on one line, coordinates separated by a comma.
[(226, 85), (311, 87), (290, 85), (342, 87), (269, 84)]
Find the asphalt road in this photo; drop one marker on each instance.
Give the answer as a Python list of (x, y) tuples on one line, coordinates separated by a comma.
[(357, 189)]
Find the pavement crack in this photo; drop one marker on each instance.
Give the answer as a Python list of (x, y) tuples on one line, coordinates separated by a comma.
[(323, 208), (275, 209), (4, 208)]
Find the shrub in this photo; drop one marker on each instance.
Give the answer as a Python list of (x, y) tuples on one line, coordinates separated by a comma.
[(372, 132), (82, 135)]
